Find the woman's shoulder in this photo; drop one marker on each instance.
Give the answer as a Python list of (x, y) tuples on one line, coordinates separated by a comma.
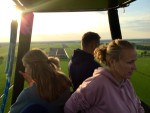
[(30, 93), (30, 89), (99, 74), (97, 82)]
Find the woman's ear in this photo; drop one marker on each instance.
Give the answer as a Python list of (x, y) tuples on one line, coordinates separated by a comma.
[(111, 62)]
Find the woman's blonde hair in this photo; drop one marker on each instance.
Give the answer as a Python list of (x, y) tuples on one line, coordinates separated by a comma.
[(50, 82), (55, 61), (111, 50)]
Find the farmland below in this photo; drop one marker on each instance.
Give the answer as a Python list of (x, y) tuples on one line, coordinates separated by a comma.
[(140, 78)]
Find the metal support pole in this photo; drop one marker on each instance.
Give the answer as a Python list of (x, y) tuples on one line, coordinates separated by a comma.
[(114, 24), (23, 47), (10, 60)]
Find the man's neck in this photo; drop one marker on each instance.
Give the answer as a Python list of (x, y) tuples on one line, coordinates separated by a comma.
[(88, 51)]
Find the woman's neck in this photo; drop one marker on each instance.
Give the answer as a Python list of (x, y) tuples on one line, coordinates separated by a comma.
[(116, 76)]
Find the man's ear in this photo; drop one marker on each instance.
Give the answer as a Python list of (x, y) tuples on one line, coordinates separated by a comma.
[(92, 45)]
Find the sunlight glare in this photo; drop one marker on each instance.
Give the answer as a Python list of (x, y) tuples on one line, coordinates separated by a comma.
[(8, 11)]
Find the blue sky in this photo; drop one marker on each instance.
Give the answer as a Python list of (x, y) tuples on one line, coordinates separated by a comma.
[(134, 22), (138, 18)]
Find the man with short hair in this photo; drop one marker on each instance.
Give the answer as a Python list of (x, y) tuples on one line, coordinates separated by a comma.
[(82, 63)]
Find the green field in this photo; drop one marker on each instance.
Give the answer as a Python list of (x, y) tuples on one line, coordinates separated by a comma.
[(140, 79)]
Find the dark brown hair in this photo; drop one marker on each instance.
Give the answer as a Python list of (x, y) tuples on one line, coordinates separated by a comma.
[(89, 37)]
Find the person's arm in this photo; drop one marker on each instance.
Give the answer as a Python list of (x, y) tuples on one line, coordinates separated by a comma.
[(140, 108), (138, 102), (81, 99), (75, 103)]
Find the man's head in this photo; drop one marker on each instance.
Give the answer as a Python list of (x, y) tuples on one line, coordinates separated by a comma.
[(90, 40)]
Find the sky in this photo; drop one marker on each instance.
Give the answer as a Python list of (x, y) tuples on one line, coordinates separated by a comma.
[(134, 23)]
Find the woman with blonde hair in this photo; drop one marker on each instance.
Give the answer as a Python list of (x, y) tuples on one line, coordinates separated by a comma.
[(109, 90), (50, 87), (55, 61)]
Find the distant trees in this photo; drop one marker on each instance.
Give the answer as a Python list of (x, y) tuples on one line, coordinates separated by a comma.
[(142, 47), (145, 53)]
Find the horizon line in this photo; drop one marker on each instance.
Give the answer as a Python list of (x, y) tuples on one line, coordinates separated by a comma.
[(80, 40)]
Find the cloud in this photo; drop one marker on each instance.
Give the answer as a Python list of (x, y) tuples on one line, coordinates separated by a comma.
[(138, 23)]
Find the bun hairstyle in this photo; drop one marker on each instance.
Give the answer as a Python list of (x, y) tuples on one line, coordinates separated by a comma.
[(112, 50), (100, 54), (55, 61)]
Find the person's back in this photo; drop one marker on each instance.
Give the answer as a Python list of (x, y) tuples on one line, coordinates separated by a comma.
[(82, 63), (50, 87), (29, 96)]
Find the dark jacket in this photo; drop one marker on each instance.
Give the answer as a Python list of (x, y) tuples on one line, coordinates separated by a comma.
[(81, 66)]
